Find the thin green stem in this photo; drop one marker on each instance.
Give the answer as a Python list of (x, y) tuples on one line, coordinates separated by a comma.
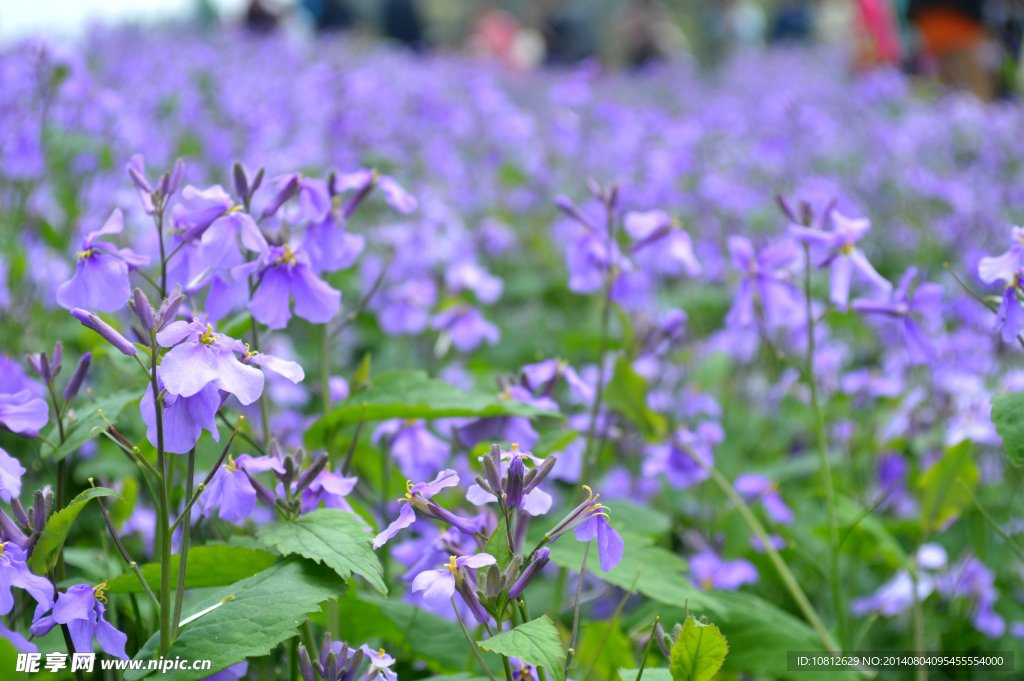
[(780, 565), (590, 459), (647, 650), (61, 474), (576, 614), (164, 526), (991, 521), (179, 595), (835, 577), (508, 668), (472, 645), (611, 624), (124, 554)]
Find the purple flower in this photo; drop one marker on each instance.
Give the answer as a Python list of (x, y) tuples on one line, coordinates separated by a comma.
[(231, 491), (330, 489), (199, 357), (288, 275), (466, 327), (710, 571), (679, 459), (362, 181), (534, 501), (768, 276), (589, 259), (109, 333), (314, 197), (329, 247), (380, 664), (338, 387), (660, 243), (970, 579), (466, 274), (14, 572), (420, 454), (754, 487), (11, 471), (418, 497), (200, 209), (589, 520), (232, 673), (184, 418), (438, 586), (403, 308), (82, 608), (842, 254), (100, 280), (925, 302), (1007, 269), (23, 414), (894, 597), (220, 243)]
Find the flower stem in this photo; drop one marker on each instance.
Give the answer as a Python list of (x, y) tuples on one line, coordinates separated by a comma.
[(164, 522), (472, 645), (647, 651), (61, 466), (576, 615), (179, 595), (835, 578), (611, 624)]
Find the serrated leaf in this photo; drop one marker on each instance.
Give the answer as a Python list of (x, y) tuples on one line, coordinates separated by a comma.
[(1008, 418), (537, 642), (698, 653), (87, 415), (497, 546), (942, 498), (627, 394), (341, 540), (44, 555), (208, 566), (412, 394), (264, 610)]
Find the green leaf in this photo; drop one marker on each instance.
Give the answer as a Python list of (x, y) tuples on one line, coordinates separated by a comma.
[(214, 565), (616, 652), (699, 652), (536, 642), (411, 394), (263, 610), (342, 540), (627, 394), (44, 555), (361, 378), (942, 499), (237, 326), (497, 546), (868, 537), (627, 516), (87, 417), (1008, 417), (650, 674)]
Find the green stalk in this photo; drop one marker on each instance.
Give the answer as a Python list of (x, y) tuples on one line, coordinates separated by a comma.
[(164, 521), (61, 570), (835, 578), (780, 565), (991, 521), (332, 611), (576, 615), (179, 594), (611, 624), (472, 645), (647, 651)]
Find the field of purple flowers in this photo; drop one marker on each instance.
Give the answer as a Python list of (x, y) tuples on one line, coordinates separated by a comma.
[(414, 367)]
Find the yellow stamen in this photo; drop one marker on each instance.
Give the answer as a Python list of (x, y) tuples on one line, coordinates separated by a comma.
[(286, 258), (233, 209), (590, 494), (848, 248), (231, 465), (3, 546), (408, 492), (98, 590), (515, 448), (208, 337), (453, 568), (381, 652), (84, 255), (707, 583)]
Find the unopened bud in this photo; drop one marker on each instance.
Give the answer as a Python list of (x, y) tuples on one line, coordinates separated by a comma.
[(305, 665), (40, 508), (169, 308), (538, 473), (511, 573), (140, 306), (290, 189), (256, 181), (352, 668), (179, 172), (262, 493), (663, 641), (484, 485), (111, 335), (58, 358), (75, 384), (514, 488), (165, 183), (19, 512), (492, 581), (241, 180), (531, 571), (309, 475), (492, 466)]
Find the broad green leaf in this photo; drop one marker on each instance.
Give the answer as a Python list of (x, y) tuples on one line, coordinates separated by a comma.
[(616, 651), (650, 674), (121, 511), (342, 540), (208, 566), (497, 546), (412, 394), (699, 652), (536, 642), (262, 611), (44, 555), (636, 519), (1008, 418), (942, 497), (627, 394), (87, 417), (439, 642), (867, 534)]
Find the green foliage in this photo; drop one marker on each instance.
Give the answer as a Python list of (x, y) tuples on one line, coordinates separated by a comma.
[(87, 417), (260, 612), (699, 652), (1008, 417), (616, 652), (44, 555), (627, 394), (535, 642), (497, 545), (208, 566), (340, 539), (412, 394), (655, 674), (942, 497)]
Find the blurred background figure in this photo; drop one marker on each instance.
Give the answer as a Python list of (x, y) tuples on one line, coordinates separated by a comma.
[(879, 40), (646, 32), (262, 16), (792, 22), (329, 15), (953, 35), (401, 22), (497, 34), (568, 31)]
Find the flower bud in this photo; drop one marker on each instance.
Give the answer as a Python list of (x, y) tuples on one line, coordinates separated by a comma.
[(165, 183), (41, 508), (175, 182), (90, 320), (289, 472), (787, 208), (309, 475), (514, 488), (75, 384), (256, 181), (290, 189), (531, 571), (538, 473), (140, 306), (352, 668), (511, 573), (484, 485), (262, 493), (663, 641), (169, 308), (58, 358), (305, 666), (40, 365), (19, 512), (468, 592), (10, 531), (330, 666), (241, 180), (492, 581), (492, 464), (136, 170)]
